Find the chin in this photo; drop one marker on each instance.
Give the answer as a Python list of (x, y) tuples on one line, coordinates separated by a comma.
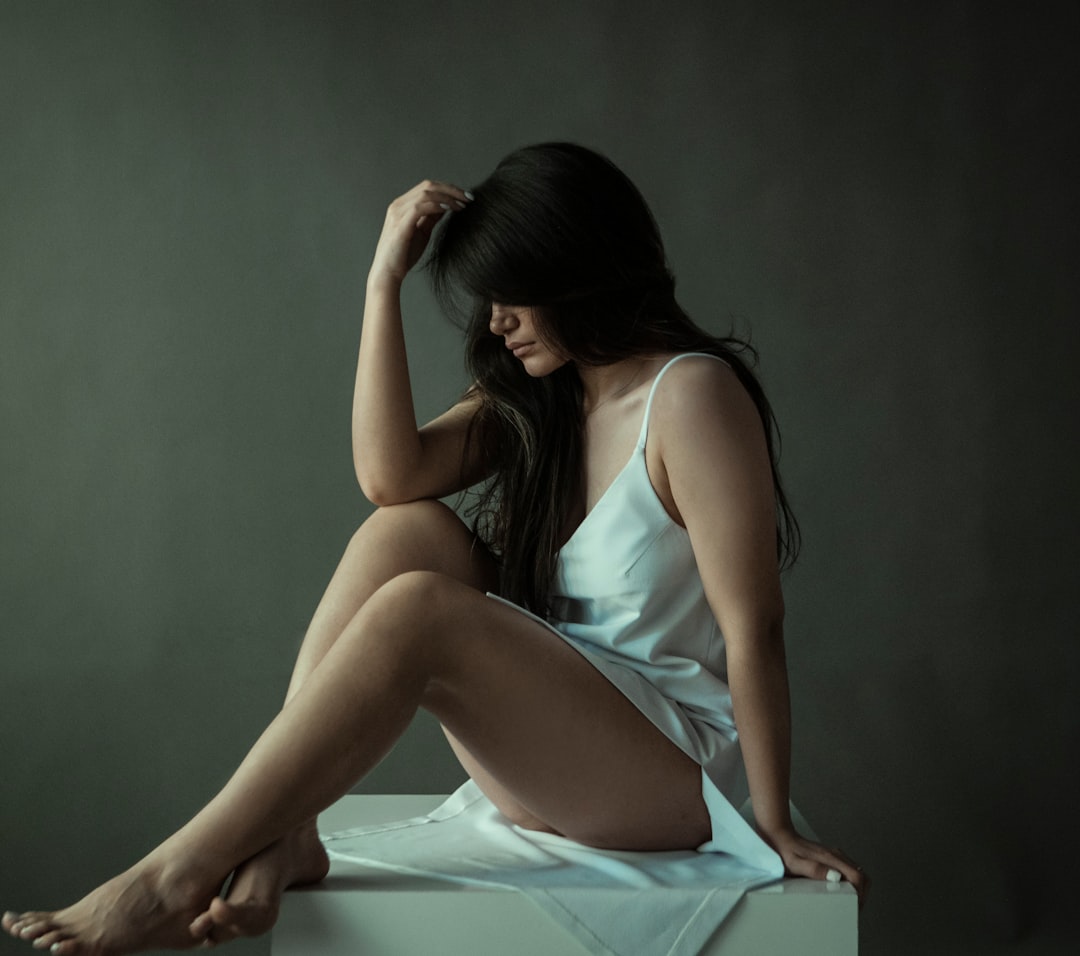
[(541, 367)]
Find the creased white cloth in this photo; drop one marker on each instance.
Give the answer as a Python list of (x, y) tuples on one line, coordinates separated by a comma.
[(615, 903)]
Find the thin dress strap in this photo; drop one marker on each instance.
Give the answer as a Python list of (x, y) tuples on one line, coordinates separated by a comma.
[(656, 381)]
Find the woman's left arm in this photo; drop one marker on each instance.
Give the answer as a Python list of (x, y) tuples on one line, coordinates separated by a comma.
[(715, 462)]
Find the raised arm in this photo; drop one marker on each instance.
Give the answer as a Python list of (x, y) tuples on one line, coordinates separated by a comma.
[(395, 460), (714, 459)]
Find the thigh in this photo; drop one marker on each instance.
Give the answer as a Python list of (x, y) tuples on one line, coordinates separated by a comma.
[(421, 535), (548, 734)]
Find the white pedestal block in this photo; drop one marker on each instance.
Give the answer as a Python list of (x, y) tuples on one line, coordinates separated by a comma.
[(360, 912)]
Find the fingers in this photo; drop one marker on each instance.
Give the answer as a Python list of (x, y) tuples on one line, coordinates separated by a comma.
[(431, 199), (805, 858), (445, 192), (847, 869), (861, 882), (410, 220), (838, 867)]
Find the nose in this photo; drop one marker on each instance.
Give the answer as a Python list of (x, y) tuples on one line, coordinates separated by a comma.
[(503, 319)]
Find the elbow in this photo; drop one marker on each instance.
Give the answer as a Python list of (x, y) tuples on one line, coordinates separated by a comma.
[(379, 494), (377, 488)]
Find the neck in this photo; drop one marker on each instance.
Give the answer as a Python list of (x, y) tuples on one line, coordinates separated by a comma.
[(605, 383)]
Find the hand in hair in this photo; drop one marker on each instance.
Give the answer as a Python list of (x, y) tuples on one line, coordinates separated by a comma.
[(407, 228)]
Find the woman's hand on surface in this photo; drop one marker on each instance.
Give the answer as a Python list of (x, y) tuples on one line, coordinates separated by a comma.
[(407, 228), (804, 857)]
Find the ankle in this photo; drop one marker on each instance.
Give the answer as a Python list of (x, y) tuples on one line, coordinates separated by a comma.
[(186, 877)]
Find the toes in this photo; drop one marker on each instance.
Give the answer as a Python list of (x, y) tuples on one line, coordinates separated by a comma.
[(201, 926), (28, 926), (223, 922), (221, 911), (50, 940), (232, 921), (13, 922), (216, 925), (34, 927), (225, 934), (227, 921)]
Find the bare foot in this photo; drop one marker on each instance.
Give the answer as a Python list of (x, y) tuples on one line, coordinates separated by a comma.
[(149, 906), (251, 905)]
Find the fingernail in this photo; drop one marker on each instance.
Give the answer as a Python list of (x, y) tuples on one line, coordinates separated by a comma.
[(833, 876), (459, 204), (445, 206), (468, 195)]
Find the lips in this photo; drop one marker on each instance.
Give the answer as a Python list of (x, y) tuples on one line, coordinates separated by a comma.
[(519, 348)]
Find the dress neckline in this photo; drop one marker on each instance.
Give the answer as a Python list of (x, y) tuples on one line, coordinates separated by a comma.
[(639, 447), (637, 452)]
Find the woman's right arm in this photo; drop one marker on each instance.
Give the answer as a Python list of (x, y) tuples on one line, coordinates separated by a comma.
[(395, 461)]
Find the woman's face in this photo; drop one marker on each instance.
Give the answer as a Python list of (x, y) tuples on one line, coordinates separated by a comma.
[(514, 323)]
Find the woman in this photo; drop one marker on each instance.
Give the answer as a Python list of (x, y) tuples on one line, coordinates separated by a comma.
[(630, 494)]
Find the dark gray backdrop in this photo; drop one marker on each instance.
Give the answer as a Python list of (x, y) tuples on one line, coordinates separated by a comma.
[(189, 196)]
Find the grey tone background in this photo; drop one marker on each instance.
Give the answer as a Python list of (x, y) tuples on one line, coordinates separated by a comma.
[(885, 197)]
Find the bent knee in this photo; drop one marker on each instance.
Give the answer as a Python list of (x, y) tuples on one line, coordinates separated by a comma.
[(425, 515), (422, 589), (424, 535), (420, 605), (407, 620)]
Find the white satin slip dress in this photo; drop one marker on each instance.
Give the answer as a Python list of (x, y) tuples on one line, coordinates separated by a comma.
[(627, 595)]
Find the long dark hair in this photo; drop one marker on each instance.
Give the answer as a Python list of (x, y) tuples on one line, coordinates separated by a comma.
[(561, 228)]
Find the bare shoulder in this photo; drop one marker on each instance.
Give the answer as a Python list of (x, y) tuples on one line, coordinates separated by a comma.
[(707, 448), (699, 392)]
